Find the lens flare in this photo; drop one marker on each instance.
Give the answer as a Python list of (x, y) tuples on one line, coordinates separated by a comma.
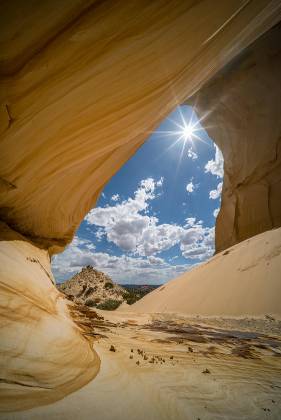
[(187, 132), (184, 131)]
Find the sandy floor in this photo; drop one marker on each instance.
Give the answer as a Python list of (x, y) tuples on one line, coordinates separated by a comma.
[(169, 367)]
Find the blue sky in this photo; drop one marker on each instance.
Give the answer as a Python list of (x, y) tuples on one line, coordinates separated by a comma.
[(155, 218)]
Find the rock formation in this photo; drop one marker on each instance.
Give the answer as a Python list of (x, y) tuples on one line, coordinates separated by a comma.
[(79, 97), (83, 83), (44, 352), (92, 288), (245, 105)]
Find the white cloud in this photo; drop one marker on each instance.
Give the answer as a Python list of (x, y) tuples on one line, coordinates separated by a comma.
[(191, 154), (159, 183), (83, 243), (190, 221), (124, 224), (115, 197), (216, 212), (130, 227), (215, 166), (99, 234), (215, 194), (192, 235), (158, 238), (198, 243), (155, 260), (209, 238), (123, 269), (190, 187), (196, 252)]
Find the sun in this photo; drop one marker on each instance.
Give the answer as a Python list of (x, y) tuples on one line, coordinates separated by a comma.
[(187, 132), (184, 130)]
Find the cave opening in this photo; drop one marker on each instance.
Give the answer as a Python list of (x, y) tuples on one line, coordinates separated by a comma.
[(155, 218)]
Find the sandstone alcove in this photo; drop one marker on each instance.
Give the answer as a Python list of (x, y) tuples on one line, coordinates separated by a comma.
[(79, 91)]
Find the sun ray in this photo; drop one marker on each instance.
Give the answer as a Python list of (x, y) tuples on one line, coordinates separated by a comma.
[(186, 130)]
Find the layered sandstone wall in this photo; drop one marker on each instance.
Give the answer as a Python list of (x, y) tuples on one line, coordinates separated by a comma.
[(44, 353), (241, 109)]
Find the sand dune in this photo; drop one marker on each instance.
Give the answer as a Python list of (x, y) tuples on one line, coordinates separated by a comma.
[(243, 280)]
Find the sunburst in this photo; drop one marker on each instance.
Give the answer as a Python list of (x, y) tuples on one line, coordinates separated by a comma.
[(184, 131)]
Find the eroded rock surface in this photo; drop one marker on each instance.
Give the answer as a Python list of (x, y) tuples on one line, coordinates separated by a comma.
[(167, 367), (44, 353), (241, 110)]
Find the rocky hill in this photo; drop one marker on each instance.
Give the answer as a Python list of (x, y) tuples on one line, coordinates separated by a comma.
[(93, 288)]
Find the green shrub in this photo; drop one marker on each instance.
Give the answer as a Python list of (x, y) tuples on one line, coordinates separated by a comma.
[(108, 285), (132, 298), (92, 302), (109, 305)]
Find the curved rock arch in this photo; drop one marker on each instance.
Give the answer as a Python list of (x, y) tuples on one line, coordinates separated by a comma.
[(80, 92)]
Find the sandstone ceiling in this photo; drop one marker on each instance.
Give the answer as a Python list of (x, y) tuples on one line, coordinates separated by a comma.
[(84, 82)]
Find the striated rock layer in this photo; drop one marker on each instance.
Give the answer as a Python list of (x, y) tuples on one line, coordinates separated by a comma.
[(44, 353), (83, 83), (241, 110)]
